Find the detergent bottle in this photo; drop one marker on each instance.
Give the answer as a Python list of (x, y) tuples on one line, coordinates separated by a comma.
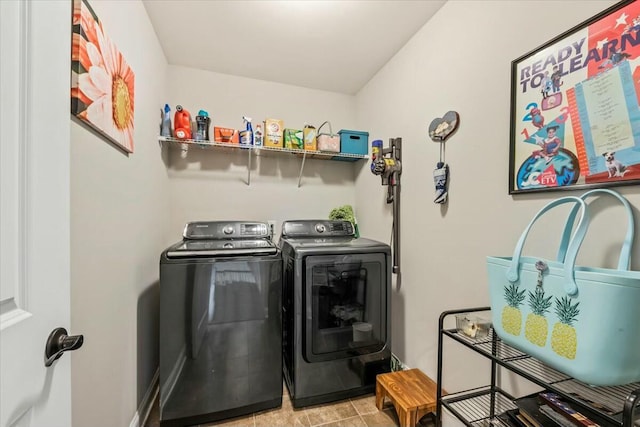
[(182, 123), (165, 124), (202, 126), (246, 136)]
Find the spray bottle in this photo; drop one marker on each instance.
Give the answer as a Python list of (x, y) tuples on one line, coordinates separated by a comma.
[(165, 124), (182, 122), (246, 136)]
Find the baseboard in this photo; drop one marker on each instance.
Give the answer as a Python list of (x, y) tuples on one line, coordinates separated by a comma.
[(397, 364), (147, 402), (135, 422)]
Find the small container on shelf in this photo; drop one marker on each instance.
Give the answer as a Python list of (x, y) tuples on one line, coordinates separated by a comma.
[(182, 123), (472, 326), (293, 139), (203, 122), (328, 141), (258, 136), (483, 327), (354, 142), (246, 135), (227, 135), (309, 135), (273, 133)]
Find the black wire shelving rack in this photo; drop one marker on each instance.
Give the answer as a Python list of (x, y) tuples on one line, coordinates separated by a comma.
[(612, 406)]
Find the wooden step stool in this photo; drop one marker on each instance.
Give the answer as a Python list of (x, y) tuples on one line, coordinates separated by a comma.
[(412, 393)]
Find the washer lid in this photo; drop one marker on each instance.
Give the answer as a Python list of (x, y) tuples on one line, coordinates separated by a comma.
[(313, 246), (217, 248)]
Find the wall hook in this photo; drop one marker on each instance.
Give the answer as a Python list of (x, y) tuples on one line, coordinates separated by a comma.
[(439, 130)]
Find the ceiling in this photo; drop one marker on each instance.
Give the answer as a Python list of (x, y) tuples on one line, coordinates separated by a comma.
[(334, 45)]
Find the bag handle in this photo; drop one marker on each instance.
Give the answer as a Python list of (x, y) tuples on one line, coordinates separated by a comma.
[(330, 129), (624, 262), (570, 286)]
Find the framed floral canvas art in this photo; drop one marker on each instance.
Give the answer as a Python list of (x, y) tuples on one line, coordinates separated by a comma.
[(102, 83)]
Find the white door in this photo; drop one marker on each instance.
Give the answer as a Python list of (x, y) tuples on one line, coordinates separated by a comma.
[(35, 52)]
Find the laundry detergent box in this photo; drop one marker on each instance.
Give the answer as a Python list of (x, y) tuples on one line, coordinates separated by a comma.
[(354, 142), (228, 135), (293, 139), (310, 142), (273, 133)]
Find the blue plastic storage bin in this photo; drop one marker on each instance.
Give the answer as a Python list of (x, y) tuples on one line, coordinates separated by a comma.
[(354, 142)]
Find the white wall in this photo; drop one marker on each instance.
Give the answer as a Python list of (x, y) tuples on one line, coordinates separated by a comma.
[(119, 223), (460, 60), (211, 184)]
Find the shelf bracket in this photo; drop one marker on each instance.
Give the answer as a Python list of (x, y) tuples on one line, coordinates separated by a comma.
[(249, 167), (304, 157)]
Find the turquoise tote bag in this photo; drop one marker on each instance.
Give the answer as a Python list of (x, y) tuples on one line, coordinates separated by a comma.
[(583, 321)]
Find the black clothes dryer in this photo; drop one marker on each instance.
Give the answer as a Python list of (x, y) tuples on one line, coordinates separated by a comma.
[(336, 311), (220, 323)]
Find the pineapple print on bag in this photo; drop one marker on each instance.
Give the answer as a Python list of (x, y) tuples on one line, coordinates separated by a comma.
[(564, 340), (536, 327), (511, 316)]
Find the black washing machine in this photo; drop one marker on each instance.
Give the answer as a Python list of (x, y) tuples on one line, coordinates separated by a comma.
[(220, 323), (336, 311)]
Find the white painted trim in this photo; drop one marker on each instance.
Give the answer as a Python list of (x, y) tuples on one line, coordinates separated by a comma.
[(13, 317), (25, 150), (135, 421), (15, 192), (147, 402)]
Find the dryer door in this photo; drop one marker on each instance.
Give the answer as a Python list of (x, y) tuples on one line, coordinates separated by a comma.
[(345, 305)]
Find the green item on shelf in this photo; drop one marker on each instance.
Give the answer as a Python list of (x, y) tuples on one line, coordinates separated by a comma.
[(345, 213), (293, 139)]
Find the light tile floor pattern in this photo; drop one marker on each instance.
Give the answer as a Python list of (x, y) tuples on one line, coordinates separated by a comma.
[(356, 412)]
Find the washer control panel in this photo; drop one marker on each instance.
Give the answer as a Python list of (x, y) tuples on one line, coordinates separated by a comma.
[(214, 230)]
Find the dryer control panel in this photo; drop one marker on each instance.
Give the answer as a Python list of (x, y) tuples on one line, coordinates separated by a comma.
[(214, 230), (316, 228)]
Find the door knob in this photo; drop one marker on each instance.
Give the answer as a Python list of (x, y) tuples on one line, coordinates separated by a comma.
[(59, 342)]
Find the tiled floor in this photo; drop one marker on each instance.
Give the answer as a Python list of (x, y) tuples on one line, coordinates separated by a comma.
[(356, 412)]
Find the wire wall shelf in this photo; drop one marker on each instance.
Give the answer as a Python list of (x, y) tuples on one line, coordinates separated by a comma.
[(259, 151)]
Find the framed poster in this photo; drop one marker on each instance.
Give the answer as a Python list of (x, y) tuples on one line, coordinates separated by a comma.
[(102, 83), (575, 107)]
